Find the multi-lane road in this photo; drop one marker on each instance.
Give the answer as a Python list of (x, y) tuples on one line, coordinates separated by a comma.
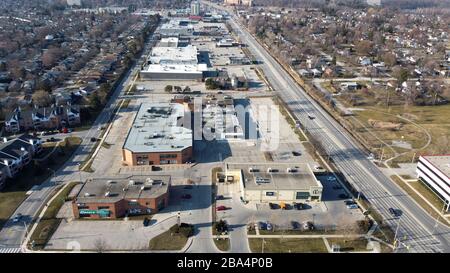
[(417, 231)]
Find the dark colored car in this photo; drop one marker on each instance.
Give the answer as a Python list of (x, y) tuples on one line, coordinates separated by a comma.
[(273, 206), (395, 212), (295, 225), (294, 153), (349, 202), (219, 197), (186, 196), (146, 222), (298, 206), (262, 225), (219, 208), (93, 139), (343, 196)]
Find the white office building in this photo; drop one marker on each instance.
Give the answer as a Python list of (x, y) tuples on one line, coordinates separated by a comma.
[(434, 171)]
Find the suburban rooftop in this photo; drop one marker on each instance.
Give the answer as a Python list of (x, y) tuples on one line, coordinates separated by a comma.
[(158, 127), (256, 176), (114, 189)]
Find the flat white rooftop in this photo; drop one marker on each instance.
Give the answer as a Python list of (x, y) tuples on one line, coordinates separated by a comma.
[(174, 55), (158, 128), (441, 162), (175, 68)]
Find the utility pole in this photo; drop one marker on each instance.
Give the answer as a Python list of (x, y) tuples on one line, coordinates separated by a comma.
[(79, 171), (396, 232)]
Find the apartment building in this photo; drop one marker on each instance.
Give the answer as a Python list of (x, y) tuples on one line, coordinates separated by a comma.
[(15, 154), (42, 118)]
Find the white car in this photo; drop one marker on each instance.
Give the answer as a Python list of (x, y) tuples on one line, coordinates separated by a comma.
[(352, 206), (318, 168), (17, 218)]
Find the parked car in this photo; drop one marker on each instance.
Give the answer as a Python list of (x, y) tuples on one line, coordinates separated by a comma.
[(220, 208), (318, 168), (93, 139), (352, 206), (349, 202), (298, 206), (262, 225), (295, 225), (343, 196), (146, 222), (273, 206), (295, 153), (311, 116), (186, 196), (308, 225), (269, 226), (219, 197), (331, 178)]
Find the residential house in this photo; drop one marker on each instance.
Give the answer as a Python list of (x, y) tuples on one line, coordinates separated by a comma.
[(42, 118)]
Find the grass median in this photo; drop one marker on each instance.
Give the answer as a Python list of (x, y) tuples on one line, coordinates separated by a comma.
[(173, 239), (223, 244), (49, 222), (421, 188), (287, 245)]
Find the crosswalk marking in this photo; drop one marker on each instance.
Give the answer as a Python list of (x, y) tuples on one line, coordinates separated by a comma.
[(10, 250)]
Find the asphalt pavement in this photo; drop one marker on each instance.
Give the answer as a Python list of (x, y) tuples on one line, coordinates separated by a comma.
[(417, 231)]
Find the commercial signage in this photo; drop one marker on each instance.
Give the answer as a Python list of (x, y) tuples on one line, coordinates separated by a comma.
[(99, 212)]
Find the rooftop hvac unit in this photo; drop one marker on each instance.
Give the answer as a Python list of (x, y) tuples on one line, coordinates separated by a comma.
[(131, 183)]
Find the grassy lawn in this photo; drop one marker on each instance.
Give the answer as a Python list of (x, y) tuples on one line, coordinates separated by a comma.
[(354, 244), (418, 199), (126, 102), (49, 223), (222, 244), (428, 194), (168, 241), (433, 119), (294, 245), (298, 232), (33, 174)]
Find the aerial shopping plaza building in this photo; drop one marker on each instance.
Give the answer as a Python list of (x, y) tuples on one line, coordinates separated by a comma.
[(158, 136), (121, 196)]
